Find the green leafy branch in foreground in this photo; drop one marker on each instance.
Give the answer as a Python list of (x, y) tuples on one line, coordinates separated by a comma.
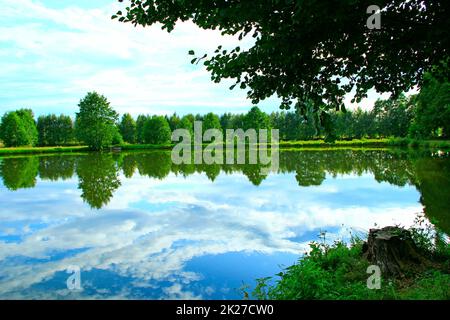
[(339, 271)]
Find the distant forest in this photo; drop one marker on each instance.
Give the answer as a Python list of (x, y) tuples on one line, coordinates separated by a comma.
[(422, 116)]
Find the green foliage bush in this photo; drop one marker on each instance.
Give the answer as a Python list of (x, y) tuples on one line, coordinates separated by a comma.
[(54, 130), (128, 128), (156, 130), (95, 123), (18, 128), (339, 271)]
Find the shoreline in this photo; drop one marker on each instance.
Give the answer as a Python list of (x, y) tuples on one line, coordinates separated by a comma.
[(285, 145)]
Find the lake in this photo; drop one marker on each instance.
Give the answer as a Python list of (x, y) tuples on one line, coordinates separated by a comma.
[(136, 226)]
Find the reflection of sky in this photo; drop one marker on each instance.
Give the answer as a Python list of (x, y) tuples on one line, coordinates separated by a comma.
[(181, 237)]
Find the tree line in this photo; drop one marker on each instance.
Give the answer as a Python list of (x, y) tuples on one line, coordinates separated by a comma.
[(425, 115)]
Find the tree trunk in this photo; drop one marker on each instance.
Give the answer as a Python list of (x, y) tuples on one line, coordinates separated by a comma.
[(394, 251)]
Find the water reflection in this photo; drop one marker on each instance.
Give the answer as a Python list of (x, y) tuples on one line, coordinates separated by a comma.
[(193, 231), (98, 173), (98, 176)]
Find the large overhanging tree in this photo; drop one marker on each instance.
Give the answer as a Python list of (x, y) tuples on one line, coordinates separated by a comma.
[(312, 53)]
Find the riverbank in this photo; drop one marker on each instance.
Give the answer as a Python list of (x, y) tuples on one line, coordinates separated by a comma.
[(339, 272), (307, 144), (40, 150)]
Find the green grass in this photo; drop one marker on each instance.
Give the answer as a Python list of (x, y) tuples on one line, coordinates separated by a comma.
[(147, 146), (307, 144), (338, 143), (425, 144), (383, 142), (37, 150), (339, 272)]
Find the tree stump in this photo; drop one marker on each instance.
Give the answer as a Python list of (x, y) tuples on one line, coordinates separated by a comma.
[(394, 251)]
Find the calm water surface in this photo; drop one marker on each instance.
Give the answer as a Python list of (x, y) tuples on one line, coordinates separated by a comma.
[(139, 227)]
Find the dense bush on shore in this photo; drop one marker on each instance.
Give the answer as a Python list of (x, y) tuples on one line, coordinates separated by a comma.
[(339, 272)]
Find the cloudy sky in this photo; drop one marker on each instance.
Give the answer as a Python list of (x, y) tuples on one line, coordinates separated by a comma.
[(53, 52), (181, 237)]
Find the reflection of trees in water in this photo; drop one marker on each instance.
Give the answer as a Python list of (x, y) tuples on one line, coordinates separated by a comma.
[(433, 183), (128, 165), (154, 164), (19, 173), (98, 176), (54, 168), (99, 173)]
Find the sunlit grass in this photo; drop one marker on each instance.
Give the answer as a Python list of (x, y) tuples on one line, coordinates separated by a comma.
[(33, 150), (300, 144)]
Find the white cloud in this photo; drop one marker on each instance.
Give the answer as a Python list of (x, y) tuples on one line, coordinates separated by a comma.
[(144, 243), (60, 54)]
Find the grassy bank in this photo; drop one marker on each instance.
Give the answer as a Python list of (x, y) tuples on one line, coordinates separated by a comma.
[(338, 143), (339, 272), (307, 144), (127, 147), (424, 144), (38, 150)]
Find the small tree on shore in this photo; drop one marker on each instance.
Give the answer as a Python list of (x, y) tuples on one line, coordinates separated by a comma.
[(95, 124), (157, 130), (12, 130), (54, 130), (18, 128), (128, 128)]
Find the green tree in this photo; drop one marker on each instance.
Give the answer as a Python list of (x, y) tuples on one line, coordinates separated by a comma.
[(256, 119), (238, 121), (128, 128), (393, 116), (157, 130), (44, 125), (277, 121), (53, 130), (186, 123), (27, 117), (12, 130), (359, 125), (211, 121), (296, 127), (95, 124), (140, 123), (302, 49), (174, 121), (432, 111), (65, 132), (226, 121), (117, 138)]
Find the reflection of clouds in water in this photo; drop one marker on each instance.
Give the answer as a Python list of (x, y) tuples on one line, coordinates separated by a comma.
[(152, 228)]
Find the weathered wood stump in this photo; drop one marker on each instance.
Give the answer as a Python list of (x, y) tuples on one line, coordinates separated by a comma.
[(394, 251)]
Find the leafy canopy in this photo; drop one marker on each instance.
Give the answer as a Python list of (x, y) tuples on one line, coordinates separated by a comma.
[(312, 53), (54, 130), (95, 124), (432, 109), (128, 128), (18, 128), (157, 130)]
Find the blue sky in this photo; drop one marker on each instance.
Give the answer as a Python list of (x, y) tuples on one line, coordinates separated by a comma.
[(53, 52), (181, 237)]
